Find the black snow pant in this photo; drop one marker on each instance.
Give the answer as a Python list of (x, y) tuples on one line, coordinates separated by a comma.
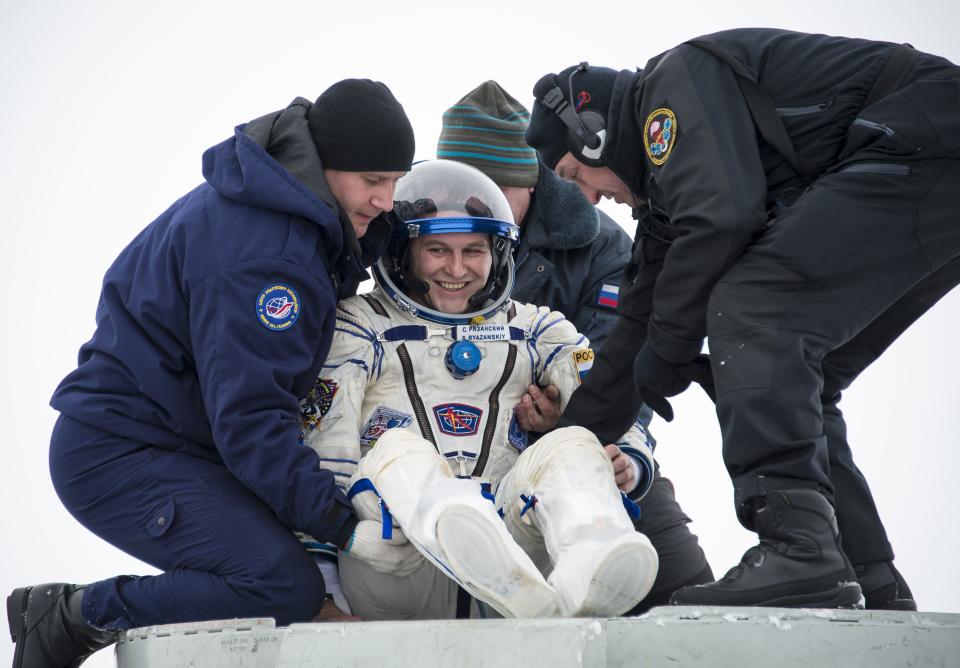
[(831, 283), (682, 561)]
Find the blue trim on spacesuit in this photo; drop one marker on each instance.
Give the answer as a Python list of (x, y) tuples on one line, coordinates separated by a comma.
[(366, 485)]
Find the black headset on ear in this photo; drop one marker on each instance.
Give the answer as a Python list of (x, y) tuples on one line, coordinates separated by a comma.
[(586, 130)]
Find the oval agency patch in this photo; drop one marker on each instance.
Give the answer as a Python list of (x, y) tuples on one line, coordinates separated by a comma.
[(660, 135), (278, 307)]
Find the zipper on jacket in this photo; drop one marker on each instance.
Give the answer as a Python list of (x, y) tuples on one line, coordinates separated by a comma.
[(879, 127), (493, 412), (375, 304), (876, 168), (411, 384), (803, 110)]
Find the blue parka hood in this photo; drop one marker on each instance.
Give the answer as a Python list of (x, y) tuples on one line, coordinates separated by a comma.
[(247, 169)]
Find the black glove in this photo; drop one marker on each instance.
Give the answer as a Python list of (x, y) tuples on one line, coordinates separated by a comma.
[(657, 379), (698, 371)]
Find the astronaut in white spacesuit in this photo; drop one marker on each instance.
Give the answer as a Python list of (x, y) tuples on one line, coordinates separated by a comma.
[(413, 414)]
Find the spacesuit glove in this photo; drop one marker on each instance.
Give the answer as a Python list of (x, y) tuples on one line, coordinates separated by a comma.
[(657, 379), (394, 555)]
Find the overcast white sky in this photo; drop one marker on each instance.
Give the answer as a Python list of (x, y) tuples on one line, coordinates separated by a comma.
[(107, 107)]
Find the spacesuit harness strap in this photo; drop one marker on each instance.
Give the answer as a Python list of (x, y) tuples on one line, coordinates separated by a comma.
[(474, 333)]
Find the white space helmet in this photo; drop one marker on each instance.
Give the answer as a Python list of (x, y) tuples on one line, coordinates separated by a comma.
[(444, 197)]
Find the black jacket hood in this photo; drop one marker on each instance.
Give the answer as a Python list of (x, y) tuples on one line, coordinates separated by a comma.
[(624, 135)]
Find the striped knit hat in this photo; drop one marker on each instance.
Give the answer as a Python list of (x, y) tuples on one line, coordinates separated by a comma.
[(485, 129)]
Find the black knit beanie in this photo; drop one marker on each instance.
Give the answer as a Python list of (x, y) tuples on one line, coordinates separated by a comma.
[(358, 126), (587, 89)]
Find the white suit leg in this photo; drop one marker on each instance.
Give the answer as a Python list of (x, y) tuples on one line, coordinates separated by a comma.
[(454, 526), (563, 489)]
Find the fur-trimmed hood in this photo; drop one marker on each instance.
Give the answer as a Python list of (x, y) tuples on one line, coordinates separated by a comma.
[(560, 217)]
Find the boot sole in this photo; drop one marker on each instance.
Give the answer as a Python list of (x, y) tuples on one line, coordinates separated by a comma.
[(16, 619), (903, 605), (490, 570), (632, 561), (845, 595)]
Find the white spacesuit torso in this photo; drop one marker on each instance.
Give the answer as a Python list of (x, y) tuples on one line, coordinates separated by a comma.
[(386, 368)]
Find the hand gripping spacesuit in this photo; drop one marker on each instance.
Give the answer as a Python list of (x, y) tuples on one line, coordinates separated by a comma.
[(413, 414)]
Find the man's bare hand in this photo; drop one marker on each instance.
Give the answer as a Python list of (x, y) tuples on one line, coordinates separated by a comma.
[(539, 410), (331, 613), (623, 470)]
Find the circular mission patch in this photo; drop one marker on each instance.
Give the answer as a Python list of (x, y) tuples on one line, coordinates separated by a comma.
[(278, 307)]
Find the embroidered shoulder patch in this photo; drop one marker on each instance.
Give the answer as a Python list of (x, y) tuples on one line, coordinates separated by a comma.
[(278, 307), (457, 419), (660, 135), (317, 403), (609, 295), (583, 360), (381, 419)]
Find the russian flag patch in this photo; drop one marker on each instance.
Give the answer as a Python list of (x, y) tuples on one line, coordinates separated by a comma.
[(609, 296), (583, 361)]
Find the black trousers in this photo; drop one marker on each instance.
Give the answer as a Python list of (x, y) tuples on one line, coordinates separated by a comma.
[(682, 561), (831, 283)]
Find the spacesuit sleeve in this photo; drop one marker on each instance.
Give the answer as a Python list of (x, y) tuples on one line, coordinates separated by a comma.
[(638, 444), (331, 412), (565, 359), (710, 183), (559, 353)]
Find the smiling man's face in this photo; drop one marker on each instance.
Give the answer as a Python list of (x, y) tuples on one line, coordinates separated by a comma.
[(455, 267)]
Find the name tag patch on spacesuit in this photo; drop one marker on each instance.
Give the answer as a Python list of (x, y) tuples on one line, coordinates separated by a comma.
[(457, 419), (488, 333), (583, 360), (381, 419)]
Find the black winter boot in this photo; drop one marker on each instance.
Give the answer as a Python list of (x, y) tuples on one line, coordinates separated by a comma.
[(798, 563), (883, 587), (48, 629)]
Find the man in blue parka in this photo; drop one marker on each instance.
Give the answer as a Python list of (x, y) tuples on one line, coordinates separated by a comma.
[(178, 435)]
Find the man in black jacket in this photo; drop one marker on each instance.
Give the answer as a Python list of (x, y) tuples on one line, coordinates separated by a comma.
[(571, 258), (797, 197)]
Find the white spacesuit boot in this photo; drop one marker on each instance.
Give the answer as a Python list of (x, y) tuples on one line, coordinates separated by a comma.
[(563, 488), (454, 526)]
